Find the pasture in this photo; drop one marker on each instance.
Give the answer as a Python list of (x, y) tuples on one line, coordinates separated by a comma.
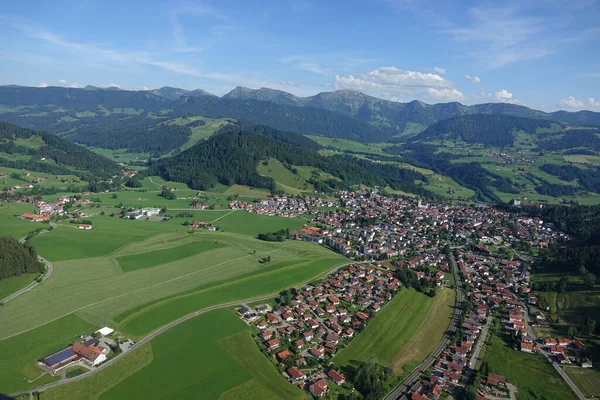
[(152, 258), (532, 374), (10, 285), (181, 368), (587, 380), (405, 331), (12, 225), (92, 387), (109, 291), (20, 353)]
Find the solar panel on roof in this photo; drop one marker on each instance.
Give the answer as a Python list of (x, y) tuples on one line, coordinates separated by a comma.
[(59, 357)]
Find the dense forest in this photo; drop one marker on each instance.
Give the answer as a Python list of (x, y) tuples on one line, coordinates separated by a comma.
[(489, 130), (232, 157), (17, 259), (583, 224), (574, 138), (292, 138), (136, 134), (588, 178), (51, 147)]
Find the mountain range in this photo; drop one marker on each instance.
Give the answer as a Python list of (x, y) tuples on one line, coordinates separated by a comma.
[(343, 113)]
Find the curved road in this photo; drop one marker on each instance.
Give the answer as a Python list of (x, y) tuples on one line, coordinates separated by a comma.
[(49, 270), (158, 333)]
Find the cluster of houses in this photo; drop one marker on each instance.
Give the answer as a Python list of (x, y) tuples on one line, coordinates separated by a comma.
[(401, 226), (283, 206), (45, 210), (302, 335)]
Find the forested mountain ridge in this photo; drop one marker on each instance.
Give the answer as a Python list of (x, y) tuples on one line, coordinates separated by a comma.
[(44, 152), (486, 129), (232, 158)]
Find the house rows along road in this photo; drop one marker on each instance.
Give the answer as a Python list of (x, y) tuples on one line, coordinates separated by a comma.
[(556, 366), (158, 333), (429, 361)]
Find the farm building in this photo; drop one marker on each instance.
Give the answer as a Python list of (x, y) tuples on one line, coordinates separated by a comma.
[(60, 359), (84, 226), (35, 218)]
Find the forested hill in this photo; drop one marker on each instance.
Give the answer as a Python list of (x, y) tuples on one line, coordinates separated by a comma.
[(40, 151), (292, 138), (490, 130), (16, 258), (232, 158)]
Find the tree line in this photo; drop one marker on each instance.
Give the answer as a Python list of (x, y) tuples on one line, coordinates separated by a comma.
[(17, 259)]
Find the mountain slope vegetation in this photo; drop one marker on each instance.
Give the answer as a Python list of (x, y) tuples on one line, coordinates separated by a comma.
[(23, 148), (232, 158)]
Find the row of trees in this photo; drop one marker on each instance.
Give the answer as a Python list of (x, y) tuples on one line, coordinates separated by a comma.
[(278, 236)]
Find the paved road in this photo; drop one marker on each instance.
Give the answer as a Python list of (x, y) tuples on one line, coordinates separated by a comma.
[(49, 270), (410, 380), (158, 333), (480, 344)]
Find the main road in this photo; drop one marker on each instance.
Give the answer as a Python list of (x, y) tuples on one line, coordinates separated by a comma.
[(158, 333)]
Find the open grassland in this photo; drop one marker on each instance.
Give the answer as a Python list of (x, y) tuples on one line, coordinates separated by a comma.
[(158, 257), (533, 375), (192, 361), (349, 145), (211, 126), (94, 386), (587, 380), (211, 276), (10, 285), (266, 382), (20, 353), (152, 315), (252, 224), (404, 332), (283, 176), (12, 225), (246, 191)]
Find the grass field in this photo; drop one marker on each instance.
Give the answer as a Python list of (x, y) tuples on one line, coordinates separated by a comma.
[(533, 375), (180, 364), (153, 258), (587, 380), (110, 292), (93, 387), (20, 352), (404, 332), (11, 225), (253, 224), (10, 285)]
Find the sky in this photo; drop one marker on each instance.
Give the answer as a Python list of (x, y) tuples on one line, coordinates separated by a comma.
[(543, 54)]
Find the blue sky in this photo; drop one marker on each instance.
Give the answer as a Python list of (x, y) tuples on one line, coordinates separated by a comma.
[(540, 53)]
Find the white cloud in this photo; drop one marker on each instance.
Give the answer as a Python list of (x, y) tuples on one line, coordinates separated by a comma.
[(571, 103), (42, 84), (394, 83), (440, 71), (474, 79), (306, 63), (65, 83), (504, 96), (444, 94), (109, 85), (144, 88)]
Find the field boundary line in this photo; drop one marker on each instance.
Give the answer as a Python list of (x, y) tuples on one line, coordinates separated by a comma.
[(135, 291), (223, 216), (165, 328)]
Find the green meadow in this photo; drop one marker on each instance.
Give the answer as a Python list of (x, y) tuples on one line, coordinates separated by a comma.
[(20, 353), (181, 360), (533, 375), (158, 257), (404, 332), (10, 285)]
